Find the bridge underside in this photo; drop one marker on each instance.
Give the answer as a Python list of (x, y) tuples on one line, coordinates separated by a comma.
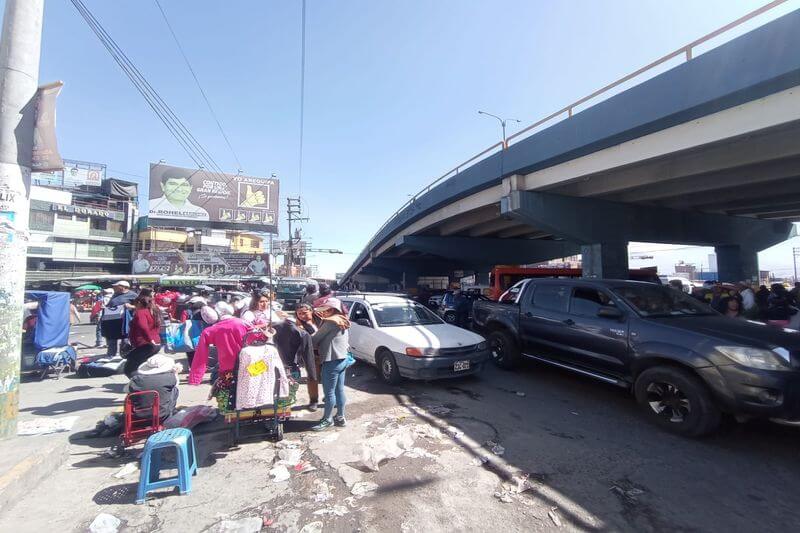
[(739, 195), (707, 153)]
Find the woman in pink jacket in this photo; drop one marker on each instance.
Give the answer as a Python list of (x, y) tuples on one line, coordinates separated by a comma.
[(228, 336)]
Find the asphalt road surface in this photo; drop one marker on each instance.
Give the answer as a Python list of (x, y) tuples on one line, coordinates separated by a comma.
[(594, 461)]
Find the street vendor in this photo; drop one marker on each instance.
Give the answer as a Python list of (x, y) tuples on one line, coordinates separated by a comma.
[(228, 337), (158, 373)]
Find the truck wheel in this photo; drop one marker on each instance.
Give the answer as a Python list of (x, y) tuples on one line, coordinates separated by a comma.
[(387, 368), (677, 400), (450, 317), (505, 352)]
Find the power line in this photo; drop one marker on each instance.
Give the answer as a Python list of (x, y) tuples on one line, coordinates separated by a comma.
[(197, 81), (174, 125), (302, 97)]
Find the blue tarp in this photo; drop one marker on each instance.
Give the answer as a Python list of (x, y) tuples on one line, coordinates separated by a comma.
[(52, 322)]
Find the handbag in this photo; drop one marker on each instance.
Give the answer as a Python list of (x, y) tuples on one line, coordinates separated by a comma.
[(350, 360)]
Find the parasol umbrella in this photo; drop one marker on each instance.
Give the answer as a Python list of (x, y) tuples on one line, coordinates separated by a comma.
[(89, 287)]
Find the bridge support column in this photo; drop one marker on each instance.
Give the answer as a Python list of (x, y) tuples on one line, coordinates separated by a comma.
[(605, 260), (735, 263)]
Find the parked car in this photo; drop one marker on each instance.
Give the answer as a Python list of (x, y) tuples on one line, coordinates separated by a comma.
[(435, 301), (404, 339), (447, 309), (686, 364)]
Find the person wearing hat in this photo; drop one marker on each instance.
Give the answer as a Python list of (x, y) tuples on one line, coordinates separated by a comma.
[(113, 319), (158, 373), (325, 293), (145, 333), (332, 344)]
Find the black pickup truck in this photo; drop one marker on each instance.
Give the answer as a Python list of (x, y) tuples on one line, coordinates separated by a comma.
[(686, 364)]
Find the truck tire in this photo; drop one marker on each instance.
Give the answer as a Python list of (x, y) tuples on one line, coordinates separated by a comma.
[(505, 352), (388, 371), (677, 400)]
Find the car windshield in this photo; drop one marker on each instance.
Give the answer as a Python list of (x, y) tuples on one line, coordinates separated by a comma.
[(291, 287), (403, 314), (657, 301)]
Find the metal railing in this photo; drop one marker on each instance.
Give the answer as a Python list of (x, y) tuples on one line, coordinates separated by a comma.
[(686, 51)]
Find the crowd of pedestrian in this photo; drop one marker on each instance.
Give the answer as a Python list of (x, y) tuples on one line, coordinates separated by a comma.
[(316, 340), (775, 305)]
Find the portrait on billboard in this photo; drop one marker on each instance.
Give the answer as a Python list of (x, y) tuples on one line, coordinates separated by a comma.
[(199, 195), (175, 188)]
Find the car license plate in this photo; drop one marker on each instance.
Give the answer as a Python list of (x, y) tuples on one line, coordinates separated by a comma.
[(461, 365)]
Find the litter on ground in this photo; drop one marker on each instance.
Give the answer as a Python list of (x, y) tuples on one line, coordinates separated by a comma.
[(45, 426), (279, 473), (251, 524), (312, 527), (504, 497), (105, 523), (127, 470), (554, 517), (363, 488)]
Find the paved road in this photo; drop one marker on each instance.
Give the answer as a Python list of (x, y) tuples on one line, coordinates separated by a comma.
[(588, 452)]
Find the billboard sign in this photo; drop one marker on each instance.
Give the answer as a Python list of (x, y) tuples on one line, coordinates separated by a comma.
[(74, 174), (210, 264), (197, 197)]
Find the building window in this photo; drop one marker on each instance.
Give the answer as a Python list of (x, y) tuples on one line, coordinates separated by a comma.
[(81, 218), (42, 221), (114, 225), (63, 216), (241, 242), (99, 223)]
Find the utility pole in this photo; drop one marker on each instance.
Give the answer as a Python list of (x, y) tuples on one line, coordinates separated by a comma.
[(294, 214), (795, 253), (20, 50)]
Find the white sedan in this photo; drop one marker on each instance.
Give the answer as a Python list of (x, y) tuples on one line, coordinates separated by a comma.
[(404, 339)]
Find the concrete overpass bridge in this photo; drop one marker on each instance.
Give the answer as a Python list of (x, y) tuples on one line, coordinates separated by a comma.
[(706, 153)]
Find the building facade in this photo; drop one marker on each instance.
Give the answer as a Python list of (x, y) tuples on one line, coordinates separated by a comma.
[(81, 230), (165, 239)]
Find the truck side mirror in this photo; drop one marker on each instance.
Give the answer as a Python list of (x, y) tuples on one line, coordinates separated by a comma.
[(609, 312)]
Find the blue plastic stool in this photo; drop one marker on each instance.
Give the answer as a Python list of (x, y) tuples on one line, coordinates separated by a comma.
[(149, 479)]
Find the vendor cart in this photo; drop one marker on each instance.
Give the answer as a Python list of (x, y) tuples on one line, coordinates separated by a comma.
[(270, 415)]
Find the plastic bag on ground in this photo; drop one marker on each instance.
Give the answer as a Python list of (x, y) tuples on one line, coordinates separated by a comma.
[(105, 523), (279, 473), (251, 524), (384, 447), (290, 456), (191, 417)]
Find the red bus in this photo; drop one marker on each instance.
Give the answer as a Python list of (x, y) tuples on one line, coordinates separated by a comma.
[(503, 277)]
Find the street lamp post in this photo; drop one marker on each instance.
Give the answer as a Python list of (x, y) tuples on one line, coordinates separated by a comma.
[(503, 124), (795, 253)]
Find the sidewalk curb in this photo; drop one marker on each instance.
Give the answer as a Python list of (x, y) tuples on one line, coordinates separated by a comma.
[(24, 476)]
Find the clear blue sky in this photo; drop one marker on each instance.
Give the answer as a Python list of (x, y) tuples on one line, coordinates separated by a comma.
[(392, 88)]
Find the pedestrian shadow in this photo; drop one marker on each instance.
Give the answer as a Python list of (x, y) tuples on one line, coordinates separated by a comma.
[(76, 388), (72, 406), (116, 387)]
